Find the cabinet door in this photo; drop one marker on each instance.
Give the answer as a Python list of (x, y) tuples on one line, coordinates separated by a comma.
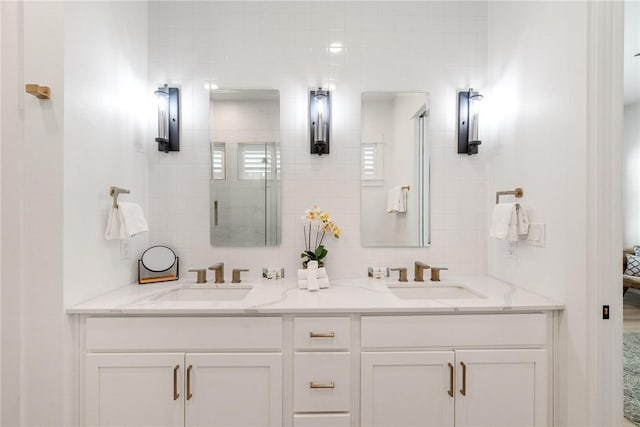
[(243, 390), (407, 389), (501, 388), (134, 390)]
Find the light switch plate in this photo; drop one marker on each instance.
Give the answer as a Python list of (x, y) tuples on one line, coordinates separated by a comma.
[(536, 236)]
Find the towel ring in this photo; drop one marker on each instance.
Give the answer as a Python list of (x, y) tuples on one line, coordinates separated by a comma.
[(518, 192)]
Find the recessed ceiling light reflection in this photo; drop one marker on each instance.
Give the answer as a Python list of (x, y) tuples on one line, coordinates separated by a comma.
[(336, 47)]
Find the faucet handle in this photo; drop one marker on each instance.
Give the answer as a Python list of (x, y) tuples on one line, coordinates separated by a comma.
[(235, 274), (403, 273), (435, 273), (202, 275)]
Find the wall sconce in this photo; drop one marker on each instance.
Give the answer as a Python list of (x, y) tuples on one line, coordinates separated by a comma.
[(320, 121), (168, 118), (468, 114)]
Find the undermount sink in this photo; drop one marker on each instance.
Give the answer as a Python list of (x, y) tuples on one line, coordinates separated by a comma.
[(202, 293), (433, 291)]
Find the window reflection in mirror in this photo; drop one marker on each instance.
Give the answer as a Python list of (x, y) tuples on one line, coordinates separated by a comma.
[(244, 184), (394, 176)]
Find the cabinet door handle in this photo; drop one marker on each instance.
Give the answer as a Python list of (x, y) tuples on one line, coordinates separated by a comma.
[(450, 392), (320, 385), (189, 395), (322, 334), (176, 395), (463, 390)]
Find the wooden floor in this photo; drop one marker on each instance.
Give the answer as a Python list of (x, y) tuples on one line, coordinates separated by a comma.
[(631, 316)]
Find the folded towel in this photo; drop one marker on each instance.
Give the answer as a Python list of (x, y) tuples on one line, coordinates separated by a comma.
[(312, 277), (322, 283), (302, 273), (397, 200), (125, 221), (323, 280), (509, 220)]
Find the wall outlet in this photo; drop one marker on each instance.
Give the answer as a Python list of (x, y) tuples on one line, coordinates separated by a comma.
[(536, 236), (125, 246), (512, 249)]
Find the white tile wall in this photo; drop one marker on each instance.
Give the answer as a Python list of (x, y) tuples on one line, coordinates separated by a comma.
[(435, 47)]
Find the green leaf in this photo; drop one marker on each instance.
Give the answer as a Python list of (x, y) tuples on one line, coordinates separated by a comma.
[(320, 253), (308, 254)]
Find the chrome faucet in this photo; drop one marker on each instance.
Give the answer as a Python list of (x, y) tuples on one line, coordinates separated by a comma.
[(419, 270), (403, 273), (435, 273), (219, 269), (235, 274)]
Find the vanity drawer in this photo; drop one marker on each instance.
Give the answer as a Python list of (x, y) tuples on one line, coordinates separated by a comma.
[(321, 420), (183, 333), (321, 382), (471, 330), (319, 333)]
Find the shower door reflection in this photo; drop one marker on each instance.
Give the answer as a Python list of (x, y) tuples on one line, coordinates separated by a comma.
[(245, 169)]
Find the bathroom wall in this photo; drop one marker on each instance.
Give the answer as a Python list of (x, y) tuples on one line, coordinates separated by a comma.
[(631, 176), (435, 47), (537, 111), (11, 75), (537, 61), (32, 170), (105, 125)]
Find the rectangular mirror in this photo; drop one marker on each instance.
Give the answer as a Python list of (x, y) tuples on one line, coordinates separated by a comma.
[(244, 187), (394, 201)]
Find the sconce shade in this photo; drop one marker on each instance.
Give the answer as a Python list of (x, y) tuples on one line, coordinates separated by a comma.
[(468, 121), (320, 121), (168, 119)]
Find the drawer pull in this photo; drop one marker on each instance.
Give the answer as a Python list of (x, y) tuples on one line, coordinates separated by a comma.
[(320, 385), (450, 380), (189, 394), (463, 390), (322, 334), (176, 395)]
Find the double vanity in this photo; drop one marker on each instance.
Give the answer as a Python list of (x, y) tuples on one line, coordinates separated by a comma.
[(365, 352)]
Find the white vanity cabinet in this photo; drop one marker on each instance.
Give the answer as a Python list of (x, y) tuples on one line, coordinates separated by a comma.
[(229, 371), (322, 371), (331, 370), (484, 370)]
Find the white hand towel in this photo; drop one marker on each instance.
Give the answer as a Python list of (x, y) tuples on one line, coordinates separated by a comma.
[(509, 220), (125, 221), (397, 200), (113, 225), (132, 219)]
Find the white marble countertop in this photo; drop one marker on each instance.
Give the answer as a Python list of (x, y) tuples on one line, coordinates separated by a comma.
[(355, 295)]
